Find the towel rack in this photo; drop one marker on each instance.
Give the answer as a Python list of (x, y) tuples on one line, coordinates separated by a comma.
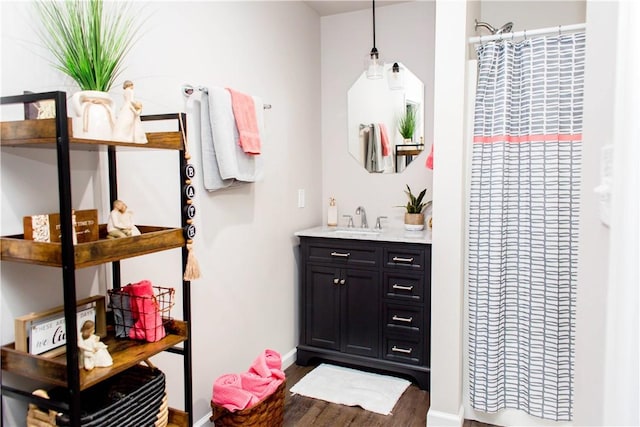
[(187, 90)]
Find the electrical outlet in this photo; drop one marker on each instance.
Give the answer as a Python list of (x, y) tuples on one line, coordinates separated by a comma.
[(301, 198)]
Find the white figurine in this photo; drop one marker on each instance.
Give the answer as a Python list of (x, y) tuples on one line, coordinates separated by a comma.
[(120, 223), (93, 352), (128, 127)]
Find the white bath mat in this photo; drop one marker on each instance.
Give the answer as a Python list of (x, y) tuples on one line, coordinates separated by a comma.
[(373, 392)]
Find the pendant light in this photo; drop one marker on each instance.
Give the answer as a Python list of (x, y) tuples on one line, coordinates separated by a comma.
[(395, 76), (374, 63)]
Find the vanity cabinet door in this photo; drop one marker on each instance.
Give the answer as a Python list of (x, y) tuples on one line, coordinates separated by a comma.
[(322, 307), (360, 321)]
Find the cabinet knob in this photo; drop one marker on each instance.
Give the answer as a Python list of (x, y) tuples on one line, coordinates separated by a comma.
[(335, 280), (342, 281)]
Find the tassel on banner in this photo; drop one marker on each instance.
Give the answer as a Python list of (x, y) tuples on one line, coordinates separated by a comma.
[(192, 269)]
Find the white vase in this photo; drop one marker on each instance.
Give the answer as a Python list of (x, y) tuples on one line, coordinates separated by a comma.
[(92, 115)]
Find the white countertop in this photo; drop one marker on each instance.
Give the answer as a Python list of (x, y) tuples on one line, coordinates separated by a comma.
[(384, 235)]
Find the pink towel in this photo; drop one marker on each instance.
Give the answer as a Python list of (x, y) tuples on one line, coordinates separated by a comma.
[(384, 138), (228, 393), (268, 364), (144, 309), (259, 386), (244, 111), (430, 159)]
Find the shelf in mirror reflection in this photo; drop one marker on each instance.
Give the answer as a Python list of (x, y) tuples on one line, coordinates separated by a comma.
[(375, 110)]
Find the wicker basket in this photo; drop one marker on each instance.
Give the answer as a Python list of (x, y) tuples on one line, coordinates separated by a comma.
[(269, 412), (136, 396)]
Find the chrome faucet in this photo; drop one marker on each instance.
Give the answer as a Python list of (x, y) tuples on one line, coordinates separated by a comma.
[(360, 211)]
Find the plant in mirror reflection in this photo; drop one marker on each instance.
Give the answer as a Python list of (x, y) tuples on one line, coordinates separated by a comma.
[(407, 123)]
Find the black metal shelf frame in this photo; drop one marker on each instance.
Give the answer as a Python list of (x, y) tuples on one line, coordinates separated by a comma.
[(73, 406)]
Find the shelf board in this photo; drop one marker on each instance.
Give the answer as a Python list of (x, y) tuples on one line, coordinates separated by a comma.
[(178, 418), (42, 133), (124, 352), (153, 239)]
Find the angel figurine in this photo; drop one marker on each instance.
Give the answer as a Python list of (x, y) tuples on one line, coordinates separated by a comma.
[(93, 352), (128, 126), (120, 222)]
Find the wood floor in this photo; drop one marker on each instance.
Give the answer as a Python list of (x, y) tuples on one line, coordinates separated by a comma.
[(300, 411)]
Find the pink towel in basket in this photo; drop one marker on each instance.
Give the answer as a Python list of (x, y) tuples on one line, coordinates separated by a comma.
[(268, 364), (228, 393), (144, 308), (259, 386)]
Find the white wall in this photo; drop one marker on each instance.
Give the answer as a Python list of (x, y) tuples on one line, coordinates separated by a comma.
[(404, 33), (246, 300)]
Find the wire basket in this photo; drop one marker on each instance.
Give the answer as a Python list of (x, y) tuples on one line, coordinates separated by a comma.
[(269, 412), (141, 311)]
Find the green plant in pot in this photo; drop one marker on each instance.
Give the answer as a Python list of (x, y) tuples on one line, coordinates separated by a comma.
[(407, 124), (414, 215), (89, 41)]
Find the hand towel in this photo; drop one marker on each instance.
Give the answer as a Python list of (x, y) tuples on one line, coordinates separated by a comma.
[(228, 393), (148, 321), (268, 364), (244, 111), (429, 163), (258, 385), (384, 139)]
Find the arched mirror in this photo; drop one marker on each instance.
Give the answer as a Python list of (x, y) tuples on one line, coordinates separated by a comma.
[(377, 112)]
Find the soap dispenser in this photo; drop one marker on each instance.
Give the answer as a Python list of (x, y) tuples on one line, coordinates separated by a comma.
[(332, 213)]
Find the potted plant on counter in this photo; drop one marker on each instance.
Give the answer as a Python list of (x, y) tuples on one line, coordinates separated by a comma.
[(414, 215), (89, 41)]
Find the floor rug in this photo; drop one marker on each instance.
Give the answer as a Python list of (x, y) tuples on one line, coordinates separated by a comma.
[(345, 386)]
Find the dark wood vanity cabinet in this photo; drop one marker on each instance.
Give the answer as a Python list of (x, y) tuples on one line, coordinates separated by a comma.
[(366, 304)]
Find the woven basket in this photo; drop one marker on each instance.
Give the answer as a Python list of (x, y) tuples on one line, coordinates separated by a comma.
[(269, 412)]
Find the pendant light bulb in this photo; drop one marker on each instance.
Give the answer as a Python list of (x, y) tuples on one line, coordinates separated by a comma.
[(374, 64)]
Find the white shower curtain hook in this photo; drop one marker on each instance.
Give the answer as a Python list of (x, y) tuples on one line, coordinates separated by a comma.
[(559, 30)]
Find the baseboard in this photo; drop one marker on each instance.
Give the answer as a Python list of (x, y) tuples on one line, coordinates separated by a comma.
[(204, 421), (287, 360), (445, 419)]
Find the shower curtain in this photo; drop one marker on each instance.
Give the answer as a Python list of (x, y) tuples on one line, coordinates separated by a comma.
[(523, 225)]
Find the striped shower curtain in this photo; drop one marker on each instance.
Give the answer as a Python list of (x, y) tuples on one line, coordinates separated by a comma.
[(523, 225)]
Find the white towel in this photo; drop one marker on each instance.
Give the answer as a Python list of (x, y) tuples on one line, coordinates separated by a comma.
[(232, 160)]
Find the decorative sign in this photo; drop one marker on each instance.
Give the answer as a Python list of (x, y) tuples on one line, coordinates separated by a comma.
[(46, 227), (44, 333), (48, 334)]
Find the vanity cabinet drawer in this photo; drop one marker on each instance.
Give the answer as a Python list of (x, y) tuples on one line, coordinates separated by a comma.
[(349, 255), (402, 318), (404, 350), (412, 258), (404, 287)]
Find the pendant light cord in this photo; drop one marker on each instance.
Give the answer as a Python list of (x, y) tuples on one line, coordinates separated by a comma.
[(374, 24)]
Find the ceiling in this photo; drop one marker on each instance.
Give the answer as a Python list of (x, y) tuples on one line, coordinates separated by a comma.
[(331, 7)]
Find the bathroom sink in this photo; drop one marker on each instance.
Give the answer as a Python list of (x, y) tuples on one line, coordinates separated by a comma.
[(357, 231)]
